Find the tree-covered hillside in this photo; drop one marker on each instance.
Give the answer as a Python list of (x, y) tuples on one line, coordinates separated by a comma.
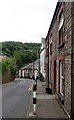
[(23, 53)]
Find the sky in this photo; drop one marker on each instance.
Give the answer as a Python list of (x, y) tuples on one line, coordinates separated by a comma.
[(25, 20)]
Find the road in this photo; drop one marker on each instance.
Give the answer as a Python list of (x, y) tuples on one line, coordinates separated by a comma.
[(16, 97)]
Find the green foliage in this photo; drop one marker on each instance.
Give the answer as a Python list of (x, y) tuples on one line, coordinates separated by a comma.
[(5, 66), (13, 66), (0, 67), (0, 48), (23, 53), (9, 64)]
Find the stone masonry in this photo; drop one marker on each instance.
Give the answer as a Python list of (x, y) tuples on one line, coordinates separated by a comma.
[(64, 53)]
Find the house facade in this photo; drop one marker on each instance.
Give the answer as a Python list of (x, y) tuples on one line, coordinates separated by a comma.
[(36, 68), (60, 56), (47, 61), (42, 58), (29, 70), (26, 71)]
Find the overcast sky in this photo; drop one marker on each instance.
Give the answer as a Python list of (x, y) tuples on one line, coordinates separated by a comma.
[(25, 20)]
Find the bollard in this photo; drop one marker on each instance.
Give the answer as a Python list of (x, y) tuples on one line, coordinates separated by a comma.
[(34, 99), (36, 83)]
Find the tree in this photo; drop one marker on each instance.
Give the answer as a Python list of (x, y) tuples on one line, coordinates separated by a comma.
[(23, 53)]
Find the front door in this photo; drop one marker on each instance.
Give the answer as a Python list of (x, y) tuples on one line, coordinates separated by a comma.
[(54, 75)]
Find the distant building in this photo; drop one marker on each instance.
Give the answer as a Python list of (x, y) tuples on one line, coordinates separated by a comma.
[(42, 57), (36, 68), (26, 71), (47, 60)]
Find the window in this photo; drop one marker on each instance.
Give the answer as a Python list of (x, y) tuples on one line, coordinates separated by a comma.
[(61, 77), (61, 36), (51, 43), (50, 70), (61, 21)]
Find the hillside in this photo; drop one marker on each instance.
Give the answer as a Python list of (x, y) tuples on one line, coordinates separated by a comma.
[(24, 53)]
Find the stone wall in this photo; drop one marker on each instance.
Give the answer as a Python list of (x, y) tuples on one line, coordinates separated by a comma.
[(7, 77), (67, 54), (63, 53), (72, 61)]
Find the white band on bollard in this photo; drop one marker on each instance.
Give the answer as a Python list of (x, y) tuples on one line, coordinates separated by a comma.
[(34, 99), (34, 94), (34, 109)]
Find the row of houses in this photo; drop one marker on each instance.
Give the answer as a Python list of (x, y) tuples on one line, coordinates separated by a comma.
[(30, 70), (57, 56), (56, 63)]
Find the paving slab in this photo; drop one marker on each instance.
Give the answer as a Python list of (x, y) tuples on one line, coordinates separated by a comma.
[(47, 105)]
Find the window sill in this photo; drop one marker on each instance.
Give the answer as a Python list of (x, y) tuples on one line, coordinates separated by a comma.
[(60, 46)]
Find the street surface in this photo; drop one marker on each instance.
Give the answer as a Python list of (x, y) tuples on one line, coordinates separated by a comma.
[(16, 97)]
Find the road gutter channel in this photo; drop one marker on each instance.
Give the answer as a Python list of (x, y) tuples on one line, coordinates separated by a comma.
[(30, 109), (30, 114), (27, 116)]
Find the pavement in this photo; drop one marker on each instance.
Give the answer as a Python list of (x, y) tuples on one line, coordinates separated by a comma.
[(46, 106)]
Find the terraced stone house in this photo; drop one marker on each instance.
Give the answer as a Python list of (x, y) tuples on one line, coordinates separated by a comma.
[(60, 59)]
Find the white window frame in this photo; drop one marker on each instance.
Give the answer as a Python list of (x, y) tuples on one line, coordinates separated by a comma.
[(60, 35), (61, 77), (50, 39), (61, 20)]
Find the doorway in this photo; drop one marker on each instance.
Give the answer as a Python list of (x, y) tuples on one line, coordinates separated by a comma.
[(54, 75)]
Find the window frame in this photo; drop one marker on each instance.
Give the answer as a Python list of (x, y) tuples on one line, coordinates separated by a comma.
[(61, 36), (51, 43), (61, 19), (61, 77), (61, 28)]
